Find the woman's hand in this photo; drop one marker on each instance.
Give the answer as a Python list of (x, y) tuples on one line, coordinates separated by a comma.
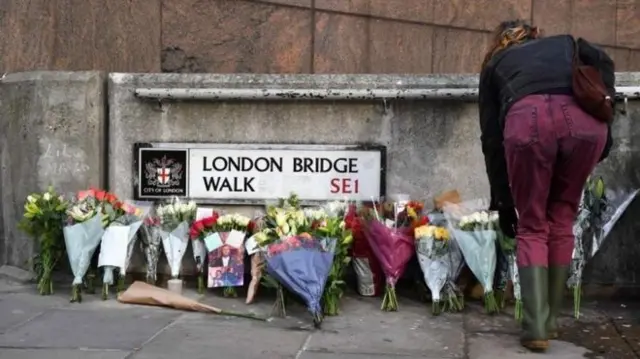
[(508, 221)]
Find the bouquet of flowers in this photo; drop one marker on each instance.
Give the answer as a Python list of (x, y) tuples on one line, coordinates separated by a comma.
[(44, 215), (369, 275), (329, 223), (175, 220), (226, 252), (453, 299), (151, 242), (302, 264), (598, 212), (118, 241), (201, 229), (507, 247), (432, 249), (476, 233), (285, 219), (85, 227), (392, 243)]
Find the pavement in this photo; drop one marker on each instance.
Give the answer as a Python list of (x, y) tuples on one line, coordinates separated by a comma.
[(37, 327)]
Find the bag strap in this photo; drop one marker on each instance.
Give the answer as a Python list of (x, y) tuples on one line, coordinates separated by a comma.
[(576, 52)]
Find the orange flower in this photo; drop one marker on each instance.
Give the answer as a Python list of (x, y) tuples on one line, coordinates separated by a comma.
[(100, 195), (110, 197), (82, 195)]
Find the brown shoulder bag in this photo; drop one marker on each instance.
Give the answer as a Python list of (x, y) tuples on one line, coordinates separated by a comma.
[(589, 89)]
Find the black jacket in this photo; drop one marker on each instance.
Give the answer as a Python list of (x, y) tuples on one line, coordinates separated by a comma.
[(533, 67)]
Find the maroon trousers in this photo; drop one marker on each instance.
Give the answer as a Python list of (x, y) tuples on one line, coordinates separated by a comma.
[(551, 147)]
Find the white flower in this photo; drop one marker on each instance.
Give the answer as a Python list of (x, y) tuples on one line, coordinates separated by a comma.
[(484, 217), (31, 199), (61, 198), (47, 196), (170, 210), (243, 220), (160, 211), (493, 217), (192, 206)]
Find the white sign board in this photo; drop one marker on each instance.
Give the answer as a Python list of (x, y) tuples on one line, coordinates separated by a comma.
[(259, 174)]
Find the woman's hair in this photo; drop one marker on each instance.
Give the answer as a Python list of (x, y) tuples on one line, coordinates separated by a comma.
[(510, 33)]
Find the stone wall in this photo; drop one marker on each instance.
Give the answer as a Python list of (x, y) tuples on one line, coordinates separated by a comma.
[(292, 36), (53, 126), (52, 133)]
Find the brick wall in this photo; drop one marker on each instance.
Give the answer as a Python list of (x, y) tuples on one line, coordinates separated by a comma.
[(292, 36)]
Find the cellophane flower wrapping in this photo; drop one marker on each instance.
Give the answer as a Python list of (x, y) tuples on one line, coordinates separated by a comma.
[(599, 210), (175, 221), (201, 229), (432, 250), (475, 231), (369, 274), (302, 264), (507, 249), (453, 297), (118, 240), (151, 244), (329, 222), (85, 227), (282, 219), (392, 244)]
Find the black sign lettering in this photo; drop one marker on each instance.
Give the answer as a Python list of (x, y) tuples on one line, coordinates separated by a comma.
[(233, 184), (325, 165), (242, 164)]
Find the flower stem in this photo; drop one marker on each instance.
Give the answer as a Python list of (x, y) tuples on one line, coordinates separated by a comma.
[(576, 301), (76, 295), (121, 283), (229, 292), (435, 307), (105, 291), (279, 308), (518, 310), (490, 304), (200, 284)]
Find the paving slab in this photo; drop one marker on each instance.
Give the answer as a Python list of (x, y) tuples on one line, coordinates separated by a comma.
[(124, 329), (314, 355), (410, 331), (491, 346), (201, 336), (60, 354), (14, 311)]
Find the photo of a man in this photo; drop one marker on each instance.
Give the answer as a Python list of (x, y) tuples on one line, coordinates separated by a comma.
[(226, 258), (226, 267)]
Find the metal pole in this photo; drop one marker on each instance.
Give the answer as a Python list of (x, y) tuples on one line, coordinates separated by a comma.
[(222, 94)]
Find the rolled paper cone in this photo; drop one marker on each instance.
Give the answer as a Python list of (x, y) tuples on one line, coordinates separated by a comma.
[(175, 285), (147, 294)]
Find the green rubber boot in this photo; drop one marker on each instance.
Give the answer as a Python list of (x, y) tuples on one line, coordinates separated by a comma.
[(557, 285), (535, 307)]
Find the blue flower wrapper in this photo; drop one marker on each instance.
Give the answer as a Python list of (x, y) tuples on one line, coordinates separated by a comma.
[(303, 268)]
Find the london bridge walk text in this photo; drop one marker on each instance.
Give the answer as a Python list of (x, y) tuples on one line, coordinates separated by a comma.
[(236, 174)]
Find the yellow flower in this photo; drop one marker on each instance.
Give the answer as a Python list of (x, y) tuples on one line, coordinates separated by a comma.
[(411, 212), (347, 239), (442, 234), (424, 231)]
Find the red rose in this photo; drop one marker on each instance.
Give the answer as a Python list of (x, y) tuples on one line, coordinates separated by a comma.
[(198, 225), (209, 222), (193, 233)]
